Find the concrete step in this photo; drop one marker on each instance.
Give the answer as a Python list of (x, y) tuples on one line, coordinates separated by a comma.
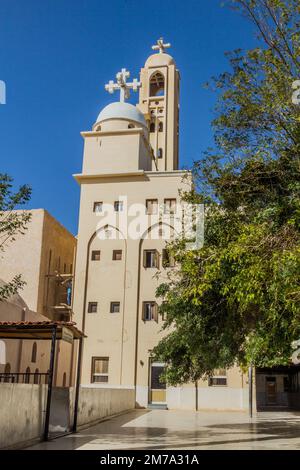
[(157, 406)]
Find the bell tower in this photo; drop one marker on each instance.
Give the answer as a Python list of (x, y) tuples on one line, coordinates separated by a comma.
[(159, 102)]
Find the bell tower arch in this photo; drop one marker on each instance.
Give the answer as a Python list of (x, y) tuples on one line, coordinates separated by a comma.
[(159, 102)]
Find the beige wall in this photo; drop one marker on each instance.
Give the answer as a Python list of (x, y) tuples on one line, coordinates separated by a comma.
[(29, 255), (23, 256), (108, 149)]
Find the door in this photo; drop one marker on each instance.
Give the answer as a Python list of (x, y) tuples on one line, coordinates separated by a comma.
[(271, 390), (157, 388)]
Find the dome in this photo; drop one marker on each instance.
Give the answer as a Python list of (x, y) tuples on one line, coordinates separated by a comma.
[(120, 110), (157, 60)]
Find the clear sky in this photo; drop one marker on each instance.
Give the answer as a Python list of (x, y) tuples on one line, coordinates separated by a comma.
[(56, 56)]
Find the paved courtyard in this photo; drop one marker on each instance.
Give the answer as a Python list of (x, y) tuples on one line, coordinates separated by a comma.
[(163, 430)]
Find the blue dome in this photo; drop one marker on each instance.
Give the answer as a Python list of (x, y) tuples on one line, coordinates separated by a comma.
[(120, 110)]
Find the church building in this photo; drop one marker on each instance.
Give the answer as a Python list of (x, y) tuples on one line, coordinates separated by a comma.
[(130, 191)]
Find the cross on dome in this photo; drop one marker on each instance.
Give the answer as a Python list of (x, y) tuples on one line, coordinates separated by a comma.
[(122, 85), (160, 46)]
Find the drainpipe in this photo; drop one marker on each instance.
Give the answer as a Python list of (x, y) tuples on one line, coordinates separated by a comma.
[(250, 375)]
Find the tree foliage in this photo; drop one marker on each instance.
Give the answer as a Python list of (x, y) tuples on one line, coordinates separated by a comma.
[(237, 299), (12, 223)]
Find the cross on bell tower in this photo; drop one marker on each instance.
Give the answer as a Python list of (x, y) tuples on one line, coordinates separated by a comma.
[(122, 85), (160, 46)]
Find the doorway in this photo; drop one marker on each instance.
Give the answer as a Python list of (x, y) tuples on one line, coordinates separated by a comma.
[(157, 387), (271, 390)]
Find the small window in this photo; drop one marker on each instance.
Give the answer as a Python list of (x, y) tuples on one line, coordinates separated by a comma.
[(7, 370), (130, 126), (157, 84), (27, 376), (118, 206), (152, 127), (98, 206), (100, 369), (34, 352), (170, 206), (117, 255), (161, 127), (96, 255), (151, 206), (92, 307), (160, 153), (168, 260), (36, 377), (150, 259), (218, 379), (150, 311), (114, 307)]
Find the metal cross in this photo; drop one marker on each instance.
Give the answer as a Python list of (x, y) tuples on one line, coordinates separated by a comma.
[(160, 46), (122, 85)]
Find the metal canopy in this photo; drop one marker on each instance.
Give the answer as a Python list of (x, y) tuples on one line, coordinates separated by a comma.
[(37, 330)]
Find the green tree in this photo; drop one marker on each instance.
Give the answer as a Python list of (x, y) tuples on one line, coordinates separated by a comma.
[(12, 223), (237, 299)]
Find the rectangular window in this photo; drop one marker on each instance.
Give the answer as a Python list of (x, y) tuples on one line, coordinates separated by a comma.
[(168, 260), (150, 259), (218, 379), (114, 307), (98, 206), (117, 255), (151, 206), (92, 307), (118, 206), (96, 255), (100, 369), (150, 311), (169, 206)]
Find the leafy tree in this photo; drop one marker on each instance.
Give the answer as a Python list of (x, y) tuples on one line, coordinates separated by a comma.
[(237, 299), (12, 223)]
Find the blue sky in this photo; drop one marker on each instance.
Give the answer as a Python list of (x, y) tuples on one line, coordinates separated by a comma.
[(56, 56)]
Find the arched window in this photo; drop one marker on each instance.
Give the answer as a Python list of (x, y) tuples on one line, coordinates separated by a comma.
[(27, 375), (33, 353), (36, 376), (157, 84), (130, 126), (7, 371), (160, 127), (152, 127), (64, 380), (159, 153)]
